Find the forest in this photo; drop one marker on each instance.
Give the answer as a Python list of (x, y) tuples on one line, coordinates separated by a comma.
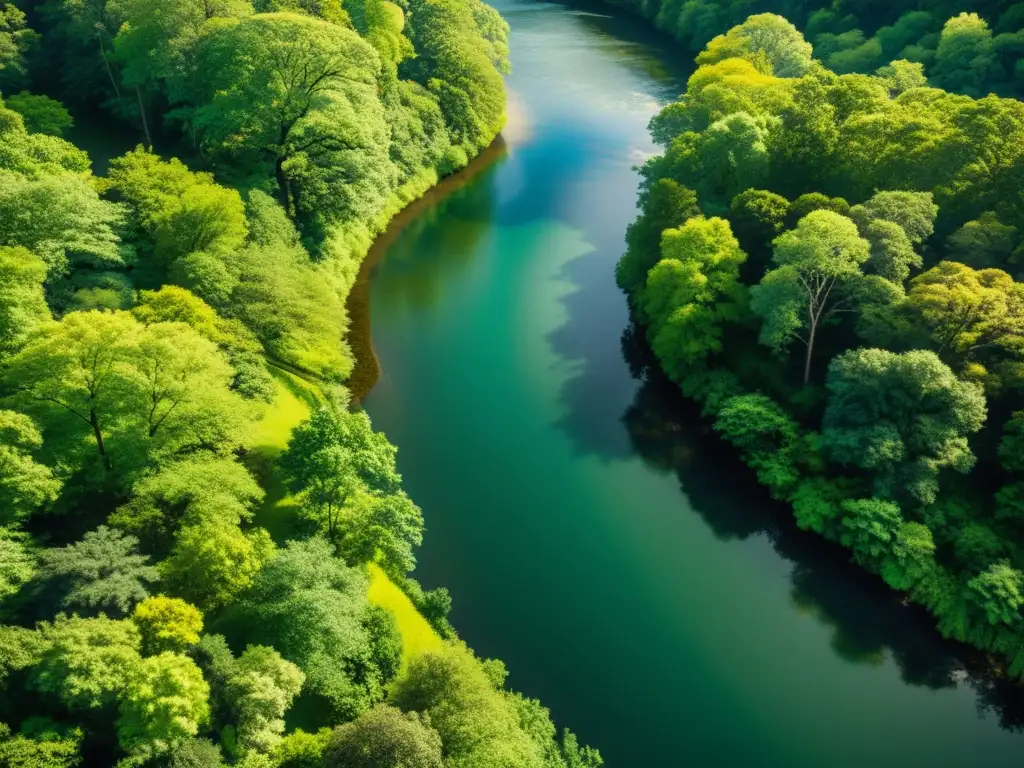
[(972, 47), (205, 547), (830, 263)]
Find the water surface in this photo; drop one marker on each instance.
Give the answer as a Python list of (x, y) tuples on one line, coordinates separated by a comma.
[(592, 532)]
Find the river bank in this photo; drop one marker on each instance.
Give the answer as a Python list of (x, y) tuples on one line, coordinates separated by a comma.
[(594, 535)]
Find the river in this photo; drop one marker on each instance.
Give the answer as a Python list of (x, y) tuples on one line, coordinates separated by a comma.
[(592, 532)]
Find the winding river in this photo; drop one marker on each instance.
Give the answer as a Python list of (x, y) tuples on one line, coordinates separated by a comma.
[(592, 533)]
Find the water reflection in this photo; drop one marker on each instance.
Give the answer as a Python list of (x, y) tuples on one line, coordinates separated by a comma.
[(868, 621)]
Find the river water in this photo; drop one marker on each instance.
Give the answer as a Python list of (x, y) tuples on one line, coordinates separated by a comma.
[(592, 532)]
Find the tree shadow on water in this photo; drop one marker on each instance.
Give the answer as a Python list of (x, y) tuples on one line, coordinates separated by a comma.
[(597, 386), (868, 621)]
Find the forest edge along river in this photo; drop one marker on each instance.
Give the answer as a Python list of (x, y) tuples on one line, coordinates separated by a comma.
[(593, 532)]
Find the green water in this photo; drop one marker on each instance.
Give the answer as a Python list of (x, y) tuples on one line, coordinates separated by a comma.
[(591, 531)]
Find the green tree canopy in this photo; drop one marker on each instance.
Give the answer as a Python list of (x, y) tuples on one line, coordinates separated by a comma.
[(22, 304), (41, 113), (133, 392), (85, 660), (102, 572), (666, 204), (163, 703), (311, 607), (260, 688), (300, 94), (211, 563), (25, 484), (815, 262), (770, 42), (167, 624), (197, 489), (901, 418), (384, 737)]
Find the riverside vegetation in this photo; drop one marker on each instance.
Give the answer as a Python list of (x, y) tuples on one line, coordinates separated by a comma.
[(204, 552), (830, 264)]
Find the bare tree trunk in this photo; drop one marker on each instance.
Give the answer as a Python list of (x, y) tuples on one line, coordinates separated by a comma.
[(98, 434), (810, 351), (142, 114), (106, 63), (282, 185)]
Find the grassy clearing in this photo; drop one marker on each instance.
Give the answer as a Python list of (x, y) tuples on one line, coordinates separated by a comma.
[(291, 406), (295, 399), (417, 634)]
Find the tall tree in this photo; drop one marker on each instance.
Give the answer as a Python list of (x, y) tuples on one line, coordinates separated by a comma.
[(299, 93), (333, 455), (816, 262)]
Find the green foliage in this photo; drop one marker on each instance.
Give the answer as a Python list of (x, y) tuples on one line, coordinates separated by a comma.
[(344, 474), (965, 57), (175, 212), (103, 383), (311, 607), (984, 243), (302, 750), (886, 176), (869, 526), (244, 352), (195, 753), (163, 703), (823, 254), (997, 592), (194, 490), (768, 41), (971, 317), (25, 484), (303, 92), (85, 660), (102, 572), (40, 113), (47, 750), (16, 40), (17, 564), (61, 219), (758, 217), (22, 306), (665, 205), (901, 418), (211, 563), (479, 725), (167, 624), (693, 292), (384, 737), (261, 687)]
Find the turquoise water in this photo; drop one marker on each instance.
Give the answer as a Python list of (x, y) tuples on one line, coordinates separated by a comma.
[(592, 532)]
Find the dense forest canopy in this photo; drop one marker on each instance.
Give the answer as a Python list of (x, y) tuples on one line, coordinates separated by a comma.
[(831, 264), (972, 47), (195, 527)]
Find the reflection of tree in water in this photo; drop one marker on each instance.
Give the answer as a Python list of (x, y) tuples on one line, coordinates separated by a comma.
[(421, 259), (659, 60), (868, 621)]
